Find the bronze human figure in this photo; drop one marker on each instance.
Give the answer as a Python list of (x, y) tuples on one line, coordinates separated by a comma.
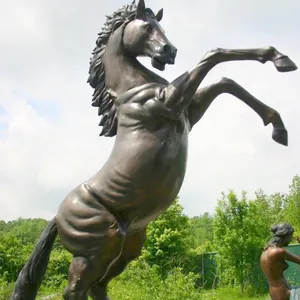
[(273, 263), (102, 222)]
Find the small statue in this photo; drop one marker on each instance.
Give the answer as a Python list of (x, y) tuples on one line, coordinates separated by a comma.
[(273, 263)]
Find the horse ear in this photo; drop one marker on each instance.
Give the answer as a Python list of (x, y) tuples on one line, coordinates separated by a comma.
[(140, 11), (159, 15)]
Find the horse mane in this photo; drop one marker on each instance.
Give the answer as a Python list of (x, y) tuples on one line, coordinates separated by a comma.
[(101, 96)]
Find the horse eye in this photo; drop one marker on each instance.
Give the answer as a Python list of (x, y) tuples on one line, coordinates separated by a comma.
[(148, 27)]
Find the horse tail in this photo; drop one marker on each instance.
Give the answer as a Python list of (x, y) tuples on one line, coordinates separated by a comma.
[(32, 274)]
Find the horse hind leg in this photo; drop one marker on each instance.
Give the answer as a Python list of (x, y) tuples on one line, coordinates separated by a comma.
[(80, 279), (84, 275), (131, 250), (99, 292), (85, 272)]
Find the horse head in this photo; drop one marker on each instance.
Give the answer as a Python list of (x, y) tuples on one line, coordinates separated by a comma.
[(144, 36), (131, 31)]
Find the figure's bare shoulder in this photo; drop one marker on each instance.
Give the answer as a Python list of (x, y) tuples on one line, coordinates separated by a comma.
[(276, 253)]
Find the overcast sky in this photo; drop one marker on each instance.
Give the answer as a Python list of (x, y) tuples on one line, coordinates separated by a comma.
[(49, 139)]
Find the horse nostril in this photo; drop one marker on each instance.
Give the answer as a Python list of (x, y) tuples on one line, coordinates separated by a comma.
[(166, 49)]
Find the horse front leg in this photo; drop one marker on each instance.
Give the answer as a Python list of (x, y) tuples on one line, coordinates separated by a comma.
[(205, 96), (281, 61), (178, 95)]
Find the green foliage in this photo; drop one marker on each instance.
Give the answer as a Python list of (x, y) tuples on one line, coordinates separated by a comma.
[(13, 255), (140, 281), (201, 230), (17, 240), (292, 211), (240, 231), (57, 271), (230, 293), (27, 231), (272, 207), (176, 249), (168, 240), (5, 289), (2, 226)]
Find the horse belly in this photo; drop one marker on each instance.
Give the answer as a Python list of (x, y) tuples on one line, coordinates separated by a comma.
[(157, 198), (154, 191), (142, 177)]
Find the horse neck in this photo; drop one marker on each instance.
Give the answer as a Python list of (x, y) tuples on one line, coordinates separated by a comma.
[(122, 71)]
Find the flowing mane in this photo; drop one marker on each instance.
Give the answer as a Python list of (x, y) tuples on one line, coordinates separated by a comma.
[(101, 97)]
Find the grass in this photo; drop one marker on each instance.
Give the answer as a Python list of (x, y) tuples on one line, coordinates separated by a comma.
[(228, 294), (218, 294), (143, 282)]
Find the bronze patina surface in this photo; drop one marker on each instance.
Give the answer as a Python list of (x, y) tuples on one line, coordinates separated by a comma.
[(102, 222)]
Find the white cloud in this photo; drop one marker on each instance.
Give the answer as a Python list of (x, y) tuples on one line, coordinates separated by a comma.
[(45, 50)]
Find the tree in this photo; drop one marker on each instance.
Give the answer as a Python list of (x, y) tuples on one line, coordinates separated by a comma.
[(240, 231), (17, 240), (201, 229), (28, 231), (168, 239), (13, 255), (2, 226), (272, 207), (292, 211)]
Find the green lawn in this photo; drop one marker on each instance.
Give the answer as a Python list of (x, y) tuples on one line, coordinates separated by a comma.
[(218, 294), (120, 291), (228, 294)]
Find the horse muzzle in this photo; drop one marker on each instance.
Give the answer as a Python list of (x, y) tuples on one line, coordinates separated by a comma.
[(168, 57)]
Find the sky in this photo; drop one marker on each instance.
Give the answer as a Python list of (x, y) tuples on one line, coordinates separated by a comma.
[(49, 138)]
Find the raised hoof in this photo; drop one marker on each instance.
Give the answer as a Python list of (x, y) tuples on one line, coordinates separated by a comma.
[(280, 135), (284, 64)]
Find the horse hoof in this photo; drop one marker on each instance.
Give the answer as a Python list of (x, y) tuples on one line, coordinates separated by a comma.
[(280, 135), (284, 64)]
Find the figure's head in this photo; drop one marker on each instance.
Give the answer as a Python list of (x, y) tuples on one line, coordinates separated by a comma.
[(282, 234), (145, 37)]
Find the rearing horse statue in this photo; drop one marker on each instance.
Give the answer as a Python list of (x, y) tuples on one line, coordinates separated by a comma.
[(103, 221)]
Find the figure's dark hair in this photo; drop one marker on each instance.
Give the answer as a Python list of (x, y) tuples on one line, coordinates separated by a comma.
[(101, 97), (280, 232)]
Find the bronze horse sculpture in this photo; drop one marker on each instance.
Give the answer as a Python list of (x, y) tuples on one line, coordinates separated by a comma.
[(103, 221)]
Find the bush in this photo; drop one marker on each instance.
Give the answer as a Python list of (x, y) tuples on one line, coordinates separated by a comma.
[(140, 281), (57, 271), (240, 232), (5, 289)]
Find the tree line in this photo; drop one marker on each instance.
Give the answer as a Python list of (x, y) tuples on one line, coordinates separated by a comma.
[(237, 231)]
